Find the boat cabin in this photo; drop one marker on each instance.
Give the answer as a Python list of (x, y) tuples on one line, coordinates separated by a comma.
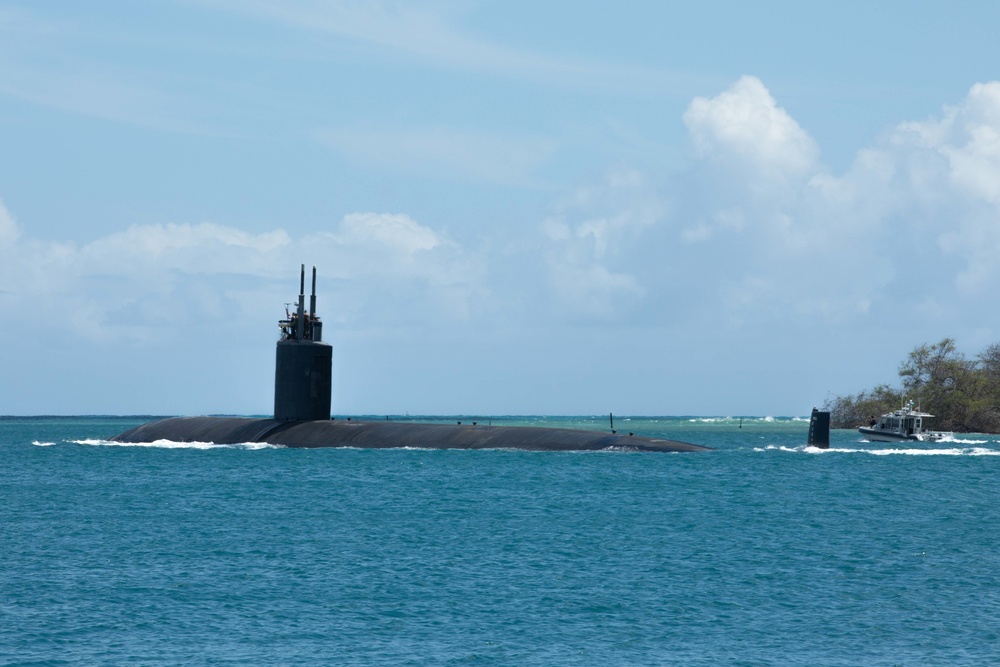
[(906, 425)]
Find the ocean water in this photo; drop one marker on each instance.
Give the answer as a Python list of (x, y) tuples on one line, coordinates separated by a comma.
[(763, 552)]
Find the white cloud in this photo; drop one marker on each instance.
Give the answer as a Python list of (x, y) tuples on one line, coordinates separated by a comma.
[(202, 248), (745, 124), (770, 233), (151, 281), (976, 164), (916, 219), (396, 232), (413, 269), (949, 171)]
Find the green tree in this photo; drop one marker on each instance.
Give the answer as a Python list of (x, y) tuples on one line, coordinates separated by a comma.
[(987, 408), (859, 409), (939, 377), (989, 363), (930, 367)]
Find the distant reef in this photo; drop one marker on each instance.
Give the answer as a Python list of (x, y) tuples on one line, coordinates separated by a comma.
[(962, 393)]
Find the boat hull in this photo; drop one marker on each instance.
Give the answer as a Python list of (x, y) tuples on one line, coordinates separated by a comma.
[(875, 435)]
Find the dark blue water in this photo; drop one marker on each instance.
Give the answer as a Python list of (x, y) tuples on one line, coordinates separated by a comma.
[(763, 552)]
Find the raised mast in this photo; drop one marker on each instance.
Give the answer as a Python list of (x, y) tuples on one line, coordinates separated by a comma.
[(312, 299), (300, 329)]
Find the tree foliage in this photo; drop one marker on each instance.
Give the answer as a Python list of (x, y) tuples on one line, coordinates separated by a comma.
[(964, 394)]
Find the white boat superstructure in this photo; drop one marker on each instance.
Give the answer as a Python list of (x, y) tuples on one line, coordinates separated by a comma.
[(905, 424)]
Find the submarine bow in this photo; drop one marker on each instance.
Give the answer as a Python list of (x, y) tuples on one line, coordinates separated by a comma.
[(302, 399)]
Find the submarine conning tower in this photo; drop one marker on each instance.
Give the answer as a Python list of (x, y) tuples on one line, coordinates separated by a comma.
[(303, 362)]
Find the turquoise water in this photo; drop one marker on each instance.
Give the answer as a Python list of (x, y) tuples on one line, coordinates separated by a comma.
[(763, 552)]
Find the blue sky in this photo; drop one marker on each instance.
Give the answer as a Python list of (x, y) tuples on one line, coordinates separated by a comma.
[(708, 208)]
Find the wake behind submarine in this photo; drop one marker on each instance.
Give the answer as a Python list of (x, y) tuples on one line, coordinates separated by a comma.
[(302, 397)]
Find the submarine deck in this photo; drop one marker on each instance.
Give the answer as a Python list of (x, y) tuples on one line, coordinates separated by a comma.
[(385, 435)]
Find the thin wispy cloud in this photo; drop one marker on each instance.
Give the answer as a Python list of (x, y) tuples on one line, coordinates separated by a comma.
[(430, 32), (53, 64)]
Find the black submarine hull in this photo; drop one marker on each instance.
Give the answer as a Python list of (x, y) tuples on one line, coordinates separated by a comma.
[(386, 435)]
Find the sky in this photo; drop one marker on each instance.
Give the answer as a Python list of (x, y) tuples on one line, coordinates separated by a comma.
[(645, 208)]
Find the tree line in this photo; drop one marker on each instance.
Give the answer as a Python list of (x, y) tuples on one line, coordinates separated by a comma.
[(962, 393)]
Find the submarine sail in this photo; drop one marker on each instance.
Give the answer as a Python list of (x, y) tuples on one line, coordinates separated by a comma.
[(302, 363)]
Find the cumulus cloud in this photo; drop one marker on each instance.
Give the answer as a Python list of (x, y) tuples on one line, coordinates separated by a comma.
[(916, 216), (758, 228), (410, 266), (745, 125), (960, 183), (128, 285), (395, 248), (936, 192), (201, 248)]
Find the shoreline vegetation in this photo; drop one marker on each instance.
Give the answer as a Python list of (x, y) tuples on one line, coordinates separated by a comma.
[(963, 394)]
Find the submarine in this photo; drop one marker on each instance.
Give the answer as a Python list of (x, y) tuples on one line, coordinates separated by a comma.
[(302, 412)]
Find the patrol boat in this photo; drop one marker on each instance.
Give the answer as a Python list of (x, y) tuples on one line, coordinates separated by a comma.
[(903, 425)]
